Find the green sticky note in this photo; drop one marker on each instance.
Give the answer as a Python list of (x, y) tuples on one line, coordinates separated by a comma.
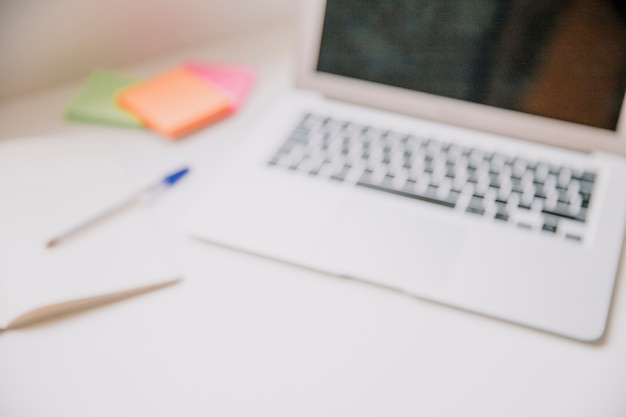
[(96, 102)]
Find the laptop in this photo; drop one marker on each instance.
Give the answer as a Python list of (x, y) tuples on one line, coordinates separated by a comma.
[(468, 153)]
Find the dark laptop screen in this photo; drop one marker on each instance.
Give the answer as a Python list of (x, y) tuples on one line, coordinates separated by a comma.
[(564, 59)]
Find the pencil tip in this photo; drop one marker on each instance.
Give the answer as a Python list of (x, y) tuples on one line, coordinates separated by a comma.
[(51, 243)]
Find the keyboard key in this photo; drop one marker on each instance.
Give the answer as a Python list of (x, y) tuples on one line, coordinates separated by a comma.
[(549, 228), (428, 197), (561, 210), (573, 237), (585, 199), (476, 205), (475, 210)]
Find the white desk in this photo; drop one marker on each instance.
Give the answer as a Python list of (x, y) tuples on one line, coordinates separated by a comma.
[(245, 336)]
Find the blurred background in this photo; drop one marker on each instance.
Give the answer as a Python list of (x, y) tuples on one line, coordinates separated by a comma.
[(45, 42)]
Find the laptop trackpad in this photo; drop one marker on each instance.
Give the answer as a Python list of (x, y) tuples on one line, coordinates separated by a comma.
[(395, 248)]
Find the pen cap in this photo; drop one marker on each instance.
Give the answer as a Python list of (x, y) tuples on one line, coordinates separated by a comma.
[(172, 178)]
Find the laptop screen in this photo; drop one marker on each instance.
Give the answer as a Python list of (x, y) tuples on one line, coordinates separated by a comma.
[(562, 59)]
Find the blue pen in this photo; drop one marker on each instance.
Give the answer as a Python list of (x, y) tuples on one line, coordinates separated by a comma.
[(150, 191)]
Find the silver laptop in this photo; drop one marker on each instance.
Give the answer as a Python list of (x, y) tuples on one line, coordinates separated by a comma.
[(466, 152)]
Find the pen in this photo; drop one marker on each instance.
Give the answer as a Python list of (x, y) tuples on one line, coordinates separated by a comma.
[(153, 189)]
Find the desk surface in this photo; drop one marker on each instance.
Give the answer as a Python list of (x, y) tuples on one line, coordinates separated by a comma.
[(242, 335)]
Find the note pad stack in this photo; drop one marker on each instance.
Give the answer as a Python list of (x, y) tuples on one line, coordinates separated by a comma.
[(173, 103)]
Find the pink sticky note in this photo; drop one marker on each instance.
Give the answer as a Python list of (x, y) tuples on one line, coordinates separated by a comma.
[(234, 81)]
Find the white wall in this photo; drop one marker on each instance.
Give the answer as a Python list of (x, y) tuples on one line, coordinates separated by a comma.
[(46, 41)]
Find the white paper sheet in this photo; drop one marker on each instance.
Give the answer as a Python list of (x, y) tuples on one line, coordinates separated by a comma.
[(48, 184)]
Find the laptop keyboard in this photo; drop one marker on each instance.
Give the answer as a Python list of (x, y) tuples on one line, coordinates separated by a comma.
[(526, 193)]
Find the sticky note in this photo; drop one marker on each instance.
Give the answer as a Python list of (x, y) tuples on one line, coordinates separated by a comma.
[(234, 81), (95, 102), (175, 102)]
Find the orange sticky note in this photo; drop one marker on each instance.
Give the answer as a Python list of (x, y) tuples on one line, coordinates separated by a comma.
[(175, 102)]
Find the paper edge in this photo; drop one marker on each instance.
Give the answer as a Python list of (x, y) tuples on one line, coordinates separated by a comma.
[(71, 306)]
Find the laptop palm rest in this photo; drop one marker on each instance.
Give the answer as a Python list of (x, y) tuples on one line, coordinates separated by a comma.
[(399, 249)]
